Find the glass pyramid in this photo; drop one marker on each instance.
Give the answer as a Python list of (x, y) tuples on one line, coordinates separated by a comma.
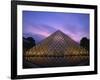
[(57, 50)]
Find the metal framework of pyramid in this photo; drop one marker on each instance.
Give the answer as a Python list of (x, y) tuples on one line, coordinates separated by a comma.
[(58, 50)]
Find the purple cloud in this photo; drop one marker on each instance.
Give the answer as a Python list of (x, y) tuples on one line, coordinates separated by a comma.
[(75, 25)]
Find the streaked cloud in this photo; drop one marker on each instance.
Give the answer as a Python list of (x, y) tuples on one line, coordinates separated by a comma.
[(45, 23)]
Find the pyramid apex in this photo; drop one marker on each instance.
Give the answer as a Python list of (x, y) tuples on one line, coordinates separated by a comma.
[(59, 31)]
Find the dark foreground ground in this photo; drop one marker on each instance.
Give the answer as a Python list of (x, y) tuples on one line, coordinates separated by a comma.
[(41, 62)]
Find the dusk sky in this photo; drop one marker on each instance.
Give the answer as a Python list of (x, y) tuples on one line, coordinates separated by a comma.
[(43, 24)]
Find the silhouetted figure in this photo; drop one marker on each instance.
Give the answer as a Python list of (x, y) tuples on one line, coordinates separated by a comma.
[(84, 42), (31, 42), (28, 43)]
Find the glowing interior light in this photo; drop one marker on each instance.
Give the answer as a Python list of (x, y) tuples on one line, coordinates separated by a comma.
[(59, 38)]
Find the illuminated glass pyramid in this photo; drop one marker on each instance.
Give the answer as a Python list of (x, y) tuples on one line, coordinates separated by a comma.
[(58, 50)]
